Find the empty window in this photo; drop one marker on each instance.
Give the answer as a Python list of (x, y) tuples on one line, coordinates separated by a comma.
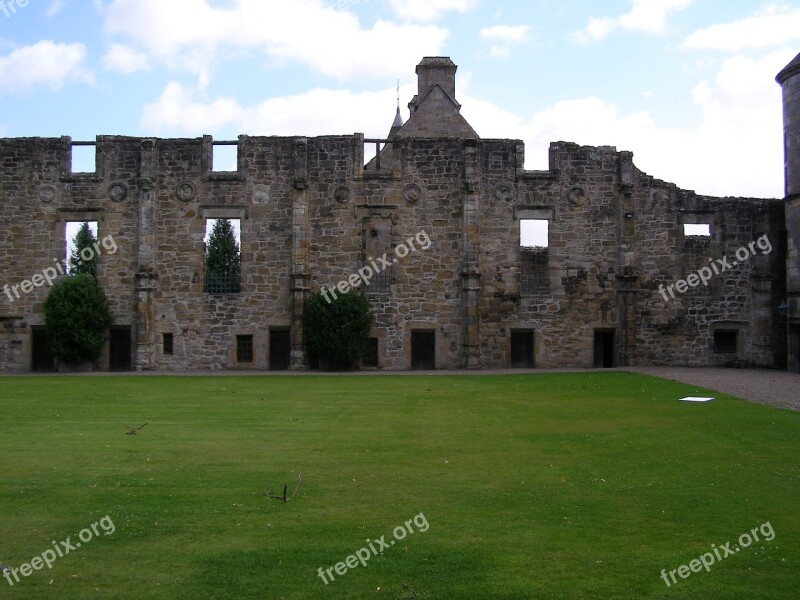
[(81, 247), (370, 358), (83, 157), (222, 256), (697, 229), (224, 156), (534, 245), (725, 342), (534, 233), (244, 348), (167, 344)]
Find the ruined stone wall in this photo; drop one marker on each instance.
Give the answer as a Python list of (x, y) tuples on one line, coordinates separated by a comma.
[(311, 215)]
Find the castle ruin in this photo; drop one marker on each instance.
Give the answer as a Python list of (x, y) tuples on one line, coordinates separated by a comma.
[(627, 269)]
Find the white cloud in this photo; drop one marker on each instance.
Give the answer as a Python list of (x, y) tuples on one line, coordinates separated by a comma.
[(772, 27), (508, 34), (649, 16), (124, 59), (43, 64), (426, 11), (505, 33), (196, 36), (735, 150), (54, 8), (180, 110)]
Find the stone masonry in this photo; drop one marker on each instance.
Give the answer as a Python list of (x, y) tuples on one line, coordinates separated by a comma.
[(312, 214)]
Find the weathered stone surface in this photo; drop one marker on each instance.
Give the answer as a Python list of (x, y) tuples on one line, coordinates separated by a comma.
[(312, 215)]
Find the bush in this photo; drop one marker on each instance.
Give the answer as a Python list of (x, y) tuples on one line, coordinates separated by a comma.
[(338, 331), (76, 316)]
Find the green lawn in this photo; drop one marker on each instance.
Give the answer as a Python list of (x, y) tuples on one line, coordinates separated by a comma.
[(532, 486)]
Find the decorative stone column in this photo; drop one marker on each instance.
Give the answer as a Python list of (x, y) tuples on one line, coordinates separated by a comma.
[(299, 274), (146, 275), (627, 280), (470, 266)]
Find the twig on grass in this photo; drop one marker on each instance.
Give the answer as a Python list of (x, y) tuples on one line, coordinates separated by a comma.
[(132, 430), (285, 487)]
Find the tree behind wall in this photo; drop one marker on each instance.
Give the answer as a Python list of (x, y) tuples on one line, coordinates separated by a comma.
[(338, 331), (83, 239), (222, 259), (76, 317)]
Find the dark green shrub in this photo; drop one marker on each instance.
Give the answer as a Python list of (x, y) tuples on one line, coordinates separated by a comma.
[(76, 317), (338, 331)]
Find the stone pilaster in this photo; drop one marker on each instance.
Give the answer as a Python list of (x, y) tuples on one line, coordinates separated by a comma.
[(470, 269), (300, 274), (146, 275)]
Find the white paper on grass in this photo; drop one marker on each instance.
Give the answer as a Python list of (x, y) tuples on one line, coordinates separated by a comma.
[(695, 399)]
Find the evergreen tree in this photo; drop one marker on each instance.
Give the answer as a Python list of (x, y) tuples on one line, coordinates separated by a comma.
[(222, 259), (338, 330), (76, 316), (78, 265)]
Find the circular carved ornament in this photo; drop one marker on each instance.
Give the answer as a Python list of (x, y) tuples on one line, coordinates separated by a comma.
[(504, 191), (342, 194), (412, 193), (117, 192), (186, 191), (575, 196), (47, 193)]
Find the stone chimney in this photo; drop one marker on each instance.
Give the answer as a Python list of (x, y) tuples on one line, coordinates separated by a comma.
[(434, 70)]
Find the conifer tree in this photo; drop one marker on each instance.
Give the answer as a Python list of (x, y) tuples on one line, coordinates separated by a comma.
[(222, 259), (81, 263)]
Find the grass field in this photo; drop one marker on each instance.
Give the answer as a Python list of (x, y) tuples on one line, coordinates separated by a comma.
[(531, 486)]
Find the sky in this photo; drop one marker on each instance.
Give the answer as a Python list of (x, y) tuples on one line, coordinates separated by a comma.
[(686, 85)]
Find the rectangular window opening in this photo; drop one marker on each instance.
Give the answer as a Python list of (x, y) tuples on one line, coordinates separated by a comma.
[(697, 230), (83, 157), (222, 244), (167, 344), (725, 342), (224, 157), (534, 243), (81, 248), (244, 348)]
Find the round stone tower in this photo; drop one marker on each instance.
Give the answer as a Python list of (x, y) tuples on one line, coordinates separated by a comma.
[(789, 78)]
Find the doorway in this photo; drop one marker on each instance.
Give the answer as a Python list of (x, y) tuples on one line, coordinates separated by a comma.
[(521, 349), (280, 349), (120, 349), (42, 359), (423, 350), (604, 349)]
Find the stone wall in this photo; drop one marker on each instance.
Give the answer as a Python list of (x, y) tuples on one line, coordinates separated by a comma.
[(311, 215)]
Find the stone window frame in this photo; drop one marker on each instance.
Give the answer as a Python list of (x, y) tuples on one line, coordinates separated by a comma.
[(535, 213), (700, 245), (245, 349), (227, 212), (91, 215), (167, 343)]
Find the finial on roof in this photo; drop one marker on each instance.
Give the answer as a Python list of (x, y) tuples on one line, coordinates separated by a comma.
[(398, 119)]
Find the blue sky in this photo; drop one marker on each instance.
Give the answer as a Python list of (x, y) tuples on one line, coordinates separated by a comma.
[(686, 85)]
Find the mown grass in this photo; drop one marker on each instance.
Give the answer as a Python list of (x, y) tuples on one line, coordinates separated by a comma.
[(533, 486)]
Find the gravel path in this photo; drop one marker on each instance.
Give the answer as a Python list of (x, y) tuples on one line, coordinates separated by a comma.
[(780, 389)]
